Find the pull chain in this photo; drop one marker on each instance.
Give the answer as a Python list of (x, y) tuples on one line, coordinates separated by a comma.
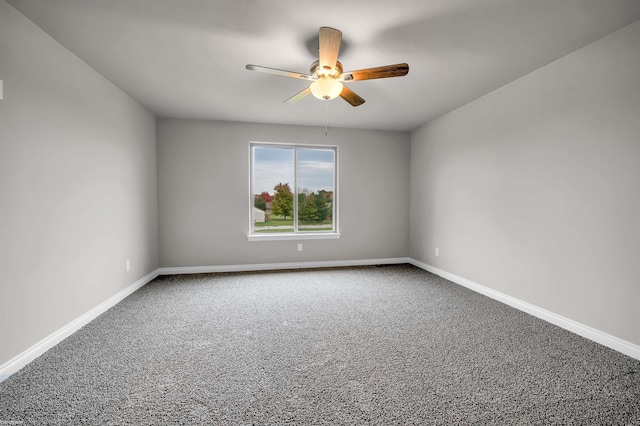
[(326, 118)]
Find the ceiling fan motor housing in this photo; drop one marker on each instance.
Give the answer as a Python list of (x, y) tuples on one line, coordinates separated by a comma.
[(318, 72)]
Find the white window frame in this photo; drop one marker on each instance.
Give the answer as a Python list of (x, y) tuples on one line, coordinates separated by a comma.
[(295, 235)]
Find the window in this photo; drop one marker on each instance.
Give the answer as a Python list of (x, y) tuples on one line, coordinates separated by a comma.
[(293, 192)]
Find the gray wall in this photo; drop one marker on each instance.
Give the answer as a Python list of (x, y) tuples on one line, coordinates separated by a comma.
[(534, 190), (77, 187), (203, 184)]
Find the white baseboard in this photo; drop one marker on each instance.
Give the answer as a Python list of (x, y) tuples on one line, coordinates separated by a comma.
[(24, 358), (287, 265), (585, 331)]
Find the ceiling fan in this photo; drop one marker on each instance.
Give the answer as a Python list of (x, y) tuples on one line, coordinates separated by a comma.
[(327, 76)]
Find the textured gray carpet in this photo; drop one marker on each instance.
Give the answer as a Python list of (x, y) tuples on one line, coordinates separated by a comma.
[(371, 345)]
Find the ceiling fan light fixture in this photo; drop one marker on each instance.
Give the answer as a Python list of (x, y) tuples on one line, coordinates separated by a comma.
[(326, 88), (326, 74)]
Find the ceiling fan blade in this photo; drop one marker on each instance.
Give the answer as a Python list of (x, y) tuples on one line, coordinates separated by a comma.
[(397, 70), (329, 47), (350, 96), (279, 72), (298, 96)]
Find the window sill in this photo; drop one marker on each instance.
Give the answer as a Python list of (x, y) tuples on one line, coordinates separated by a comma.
[(297, 237)]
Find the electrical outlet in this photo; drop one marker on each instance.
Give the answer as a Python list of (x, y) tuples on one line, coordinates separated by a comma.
[(127, 265), (300, 247), (437, 251)]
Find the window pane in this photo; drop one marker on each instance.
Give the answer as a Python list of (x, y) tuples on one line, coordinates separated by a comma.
[(272, 185), (316, 184)]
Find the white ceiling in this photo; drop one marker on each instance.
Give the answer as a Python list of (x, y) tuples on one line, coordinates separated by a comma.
[(186, 58)]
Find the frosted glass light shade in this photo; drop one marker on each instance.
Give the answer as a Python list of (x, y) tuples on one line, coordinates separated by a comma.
[(326, 88)]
